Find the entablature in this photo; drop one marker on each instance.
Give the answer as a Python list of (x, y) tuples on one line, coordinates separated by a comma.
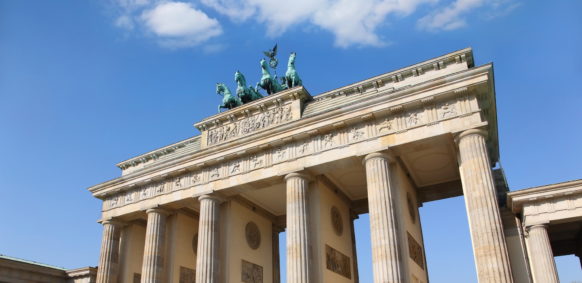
[(433, 104)]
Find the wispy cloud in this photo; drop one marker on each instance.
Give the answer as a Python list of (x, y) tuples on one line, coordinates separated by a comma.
[(454, 16), (352, 22)]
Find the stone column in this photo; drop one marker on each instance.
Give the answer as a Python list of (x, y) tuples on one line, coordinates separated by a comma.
[(387, 259), (489, 247), (155, 242), (207, 258), (540, 255), (108, 269), (298, 257)]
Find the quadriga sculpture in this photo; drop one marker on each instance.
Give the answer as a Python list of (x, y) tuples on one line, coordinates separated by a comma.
[(268, 83), (244, 92), (291, 76), (229, 101)]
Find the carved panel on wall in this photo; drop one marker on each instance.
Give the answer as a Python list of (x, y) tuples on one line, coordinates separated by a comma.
[(251, 273), (447, 110), (187, 275), (338, 262), (414, 118), (337, 221), (249, 125), (357, 133), (253, 235), (385, 126), (415, 251)]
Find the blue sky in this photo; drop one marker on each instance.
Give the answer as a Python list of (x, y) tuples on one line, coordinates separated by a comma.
[(86, 84)]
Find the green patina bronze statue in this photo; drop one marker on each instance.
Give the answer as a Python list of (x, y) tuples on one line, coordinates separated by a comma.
[(229, 101), (271, 84), (244, 92), (291, 76), (271, 53), (268, 83)]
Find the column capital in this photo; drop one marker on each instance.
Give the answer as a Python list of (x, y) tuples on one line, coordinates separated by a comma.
[(469, 132), (112, 221), (157, 210), (211, 197), (387, 156), (536, 226), (301, 175)]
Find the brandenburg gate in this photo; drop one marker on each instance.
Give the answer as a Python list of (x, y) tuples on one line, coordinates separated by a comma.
[(210, 208)]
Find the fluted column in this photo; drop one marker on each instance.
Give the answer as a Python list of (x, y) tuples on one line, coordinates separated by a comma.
[(108, 269), (153, 255), (387, 259), (207, 257), (298, 260), (541, 258), (489, 248)]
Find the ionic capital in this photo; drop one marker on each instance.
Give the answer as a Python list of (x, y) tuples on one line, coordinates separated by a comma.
[(466, 133)]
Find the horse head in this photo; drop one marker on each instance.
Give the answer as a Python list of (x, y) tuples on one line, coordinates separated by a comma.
[(239, 78), (292, 58), (222, 89)]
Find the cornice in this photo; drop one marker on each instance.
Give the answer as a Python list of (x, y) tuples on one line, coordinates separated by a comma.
[(130, 179), (517, 199), (438, 63), (155, 154)]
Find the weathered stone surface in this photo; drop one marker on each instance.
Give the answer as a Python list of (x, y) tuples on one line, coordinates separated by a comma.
[(489, 247)]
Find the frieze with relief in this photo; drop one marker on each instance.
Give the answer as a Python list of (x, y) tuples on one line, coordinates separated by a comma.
[(263, 120), (315, 143)]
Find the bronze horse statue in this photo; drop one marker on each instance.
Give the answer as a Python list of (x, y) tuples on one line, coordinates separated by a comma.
[(229, 101), (291, 76), (244, 92), (267, 82)]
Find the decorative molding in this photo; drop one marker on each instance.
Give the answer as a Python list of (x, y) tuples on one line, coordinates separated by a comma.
[(411, 116), (156, 154), (246, 126)]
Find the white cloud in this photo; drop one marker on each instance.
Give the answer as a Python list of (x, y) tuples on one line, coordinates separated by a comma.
[(180, 25), (352, 22), (174, 24)]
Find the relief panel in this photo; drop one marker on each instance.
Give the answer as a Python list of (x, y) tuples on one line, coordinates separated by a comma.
[(246, 126), (251, 273), (415, 251), (337, 262)]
